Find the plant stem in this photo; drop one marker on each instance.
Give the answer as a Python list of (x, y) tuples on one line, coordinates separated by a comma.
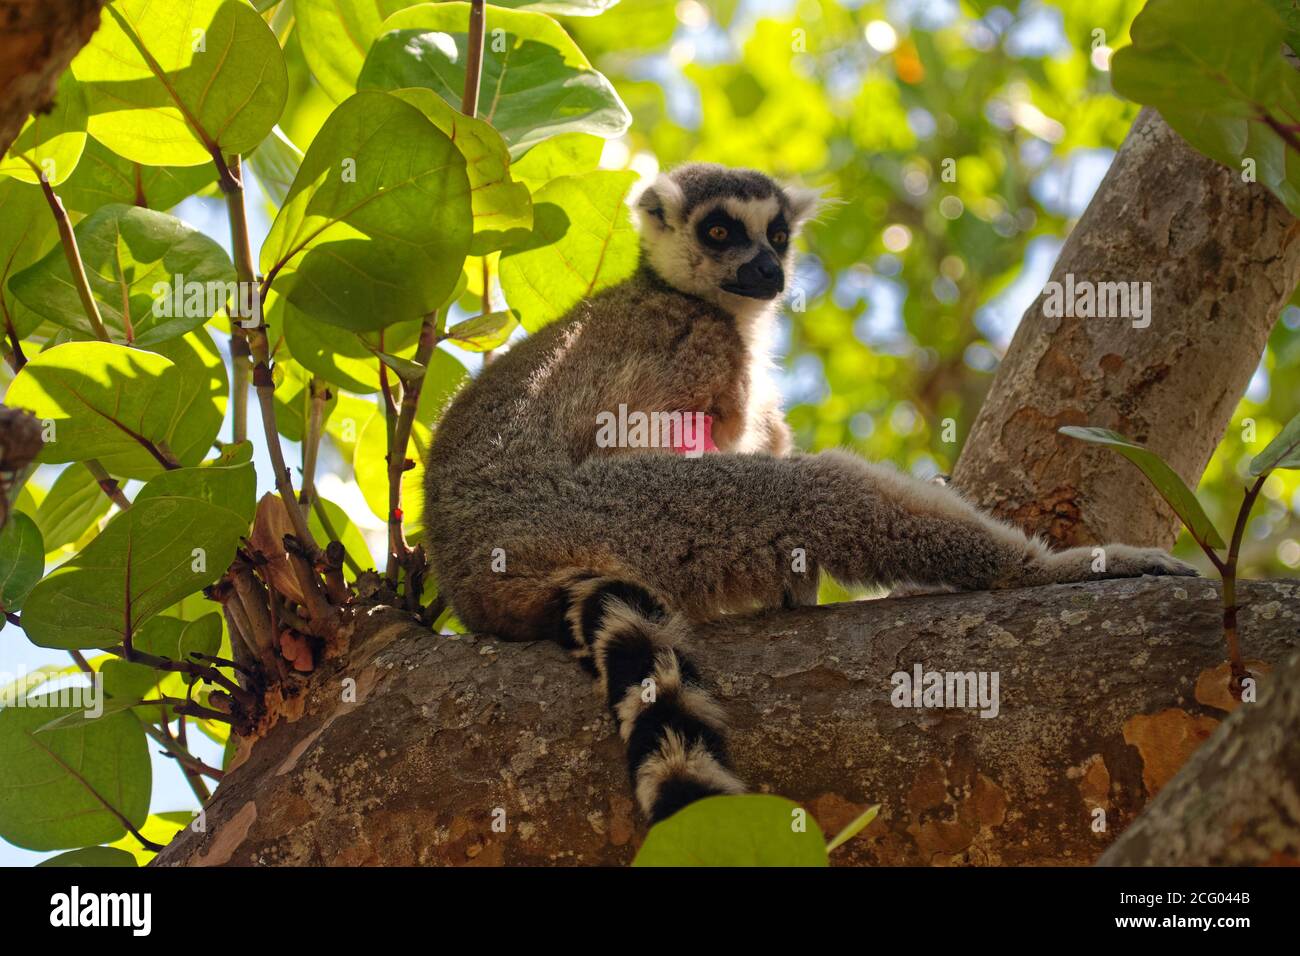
[(107, 483), (232, 188), (411, 388), (317, 397), (1229, 571), (232, 185), (474, 58), (68, 239)]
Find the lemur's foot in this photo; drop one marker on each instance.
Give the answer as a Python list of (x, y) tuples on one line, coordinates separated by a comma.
[(1123, 561), (1111, 561)]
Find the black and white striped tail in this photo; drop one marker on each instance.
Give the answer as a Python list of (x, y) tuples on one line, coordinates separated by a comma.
[(674, 731)]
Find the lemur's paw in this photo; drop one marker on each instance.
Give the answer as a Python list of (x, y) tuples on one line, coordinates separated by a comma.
[(1123, 561)]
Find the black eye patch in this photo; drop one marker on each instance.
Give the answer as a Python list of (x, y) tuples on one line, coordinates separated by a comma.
[(778, 232), (718, 230)]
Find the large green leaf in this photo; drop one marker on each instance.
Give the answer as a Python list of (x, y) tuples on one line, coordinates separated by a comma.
[(1166, 481), (378, 221), (52, 141), (179, 535), (566, 155), (747, 830), (163, 275), (1218, 95), (500, 204), (582, 241), (28, 231), (58, 785), (1282, 452), (111, 402), (94, 857), (202, 370), (162, 636), (335, 354), (103, 177), (22, 560), (156, 99), (335, 36), (536, 83), (75, 502)]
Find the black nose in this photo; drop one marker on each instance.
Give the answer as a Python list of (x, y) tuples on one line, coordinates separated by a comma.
[(760, 278)]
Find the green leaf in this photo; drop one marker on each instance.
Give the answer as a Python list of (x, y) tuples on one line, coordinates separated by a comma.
[(28, 231), (483, 332), (349, 536), (405, 368), (179, 535), (162, 636), (335, 36), (58, 785), (293, 399), (442, 380), (582, 241), (536, 83), (333, 353), (1282, 452), (747, 830), (202, 369), (275, 163), (142, 265), (155, 99), (105, 401), (22, 560), (53, 141), (501, 205), (1218, 96), (370, 465), (856, 826), (103, 177), (74, 503), (378, 221), (95, 857), (160, 828), (1166, 481), (566, 155)]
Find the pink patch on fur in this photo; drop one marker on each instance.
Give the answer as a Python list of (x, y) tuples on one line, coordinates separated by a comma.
[(693, 424)]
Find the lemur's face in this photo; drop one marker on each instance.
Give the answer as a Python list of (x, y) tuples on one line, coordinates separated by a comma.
[(724, 235)]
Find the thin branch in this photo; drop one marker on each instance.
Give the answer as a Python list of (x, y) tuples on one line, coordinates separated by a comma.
[(68, 239), (474, 58), (397, 460)]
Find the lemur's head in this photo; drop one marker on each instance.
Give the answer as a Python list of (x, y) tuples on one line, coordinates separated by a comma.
[(722, 234)]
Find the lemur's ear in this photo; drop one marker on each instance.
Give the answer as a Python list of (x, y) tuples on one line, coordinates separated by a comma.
[(804, 203), (660, 204)]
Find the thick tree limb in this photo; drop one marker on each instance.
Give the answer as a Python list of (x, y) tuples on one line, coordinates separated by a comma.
[(38, 39), (1237, 800), (1222, 258), (1098, 706)]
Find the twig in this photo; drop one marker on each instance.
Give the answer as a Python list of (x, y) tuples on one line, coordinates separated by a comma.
[(1229, 572), (68, 239), (107, 483), (473, 58)]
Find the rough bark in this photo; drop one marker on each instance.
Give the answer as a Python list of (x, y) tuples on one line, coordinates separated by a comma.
[(38, 39), (1099, 696), (1237, 800), (1222, 259)]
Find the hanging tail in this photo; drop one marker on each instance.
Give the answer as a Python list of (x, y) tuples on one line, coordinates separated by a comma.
[(674, 730)]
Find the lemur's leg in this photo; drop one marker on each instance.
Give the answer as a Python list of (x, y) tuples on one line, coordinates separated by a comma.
[(673, 729), (723, 532)]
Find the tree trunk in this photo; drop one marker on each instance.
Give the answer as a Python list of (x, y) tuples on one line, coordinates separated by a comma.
[(1103, 692), (38, 39), (1237, 801), (1222, 259)]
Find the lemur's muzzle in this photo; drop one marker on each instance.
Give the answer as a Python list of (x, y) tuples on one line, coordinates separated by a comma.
[(760, 278)]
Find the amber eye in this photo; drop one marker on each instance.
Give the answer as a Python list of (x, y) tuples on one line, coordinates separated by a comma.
[(718, 233), (780, 238)]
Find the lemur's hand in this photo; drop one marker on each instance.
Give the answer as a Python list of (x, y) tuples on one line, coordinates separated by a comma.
[(1102, 563)]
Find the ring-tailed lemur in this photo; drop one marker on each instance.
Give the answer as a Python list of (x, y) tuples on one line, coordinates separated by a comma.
[(539, 531)]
